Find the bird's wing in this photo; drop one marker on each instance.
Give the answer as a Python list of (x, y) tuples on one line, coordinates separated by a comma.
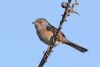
[(53, 29)]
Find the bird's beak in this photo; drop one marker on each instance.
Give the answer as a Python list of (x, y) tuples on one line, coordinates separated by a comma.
[(33, 22)]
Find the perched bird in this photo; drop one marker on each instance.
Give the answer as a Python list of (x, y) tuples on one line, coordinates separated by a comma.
[(46, 31)]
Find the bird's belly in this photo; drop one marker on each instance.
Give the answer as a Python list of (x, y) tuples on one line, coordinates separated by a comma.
[(45, 36)]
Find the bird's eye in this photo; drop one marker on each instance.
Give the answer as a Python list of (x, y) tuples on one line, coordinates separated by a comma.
[(40, 22)]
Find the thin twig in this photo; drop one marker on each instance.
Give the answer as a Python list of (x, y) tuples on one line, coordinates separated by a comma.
[(67, 12), (46, 55)]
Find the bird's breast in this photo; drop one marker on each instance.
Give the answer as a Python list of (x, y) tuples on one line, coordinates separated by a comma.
[(45, 35)]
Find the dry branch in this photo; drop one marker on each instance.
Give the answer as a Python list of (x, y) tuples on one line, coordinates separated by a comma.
[(68, 9)]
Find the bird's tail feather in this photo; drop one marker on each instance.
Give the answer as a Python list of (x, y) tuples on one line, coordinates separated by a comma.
[(80, 48)]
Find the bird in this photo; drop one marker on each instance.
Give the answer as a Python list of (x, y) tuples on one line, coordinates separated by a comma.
[(46, 31)]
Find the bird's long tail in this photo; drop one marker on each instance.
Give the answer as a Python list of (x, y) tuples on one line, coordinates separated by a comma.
[(80, 48)]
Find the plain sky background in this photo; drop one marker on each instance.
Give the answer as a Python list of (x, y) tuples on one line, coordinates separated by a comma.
[(20, 46)]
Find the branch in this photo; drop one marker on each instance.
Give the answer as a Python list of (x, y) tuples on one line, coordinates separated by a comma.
[(68, 9), (46, 55)]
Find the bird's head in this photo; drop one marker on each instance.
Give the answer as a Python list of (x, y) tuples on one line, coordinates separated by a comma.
[(40, 23)]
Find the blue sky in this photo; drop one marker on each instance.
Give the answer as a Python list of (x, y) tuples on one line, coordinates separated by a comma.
[(20, 46)]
